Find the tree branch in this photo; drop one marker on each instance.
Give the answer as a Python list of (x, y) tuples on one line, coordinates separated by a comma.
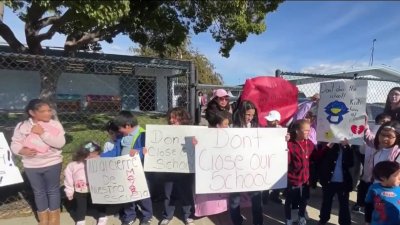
[(57, 22), (42, 23), (7, 34)]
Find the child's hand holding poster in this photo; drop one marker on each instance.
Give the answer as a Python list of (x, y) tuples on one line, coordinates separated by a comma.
[(341, 111)]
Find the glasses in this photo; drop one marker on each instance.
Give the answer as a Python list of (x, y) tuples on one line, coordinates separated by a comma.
[(223, 98), (387, 136)]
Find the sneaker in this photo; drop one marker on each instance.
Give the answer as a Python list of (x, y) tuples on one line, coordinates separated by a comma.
[(357, 209), (302, 221), (148, 222), (289, 222), (164, 222), (129, 223), (189, 221)]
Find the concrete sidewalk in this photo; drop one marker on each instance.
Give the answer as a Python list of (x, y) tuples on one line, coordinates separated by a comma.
[(273, 215)]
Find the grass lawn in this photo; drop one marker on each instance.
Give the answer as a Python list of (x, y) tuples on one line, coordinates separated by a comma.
[(79, 127)]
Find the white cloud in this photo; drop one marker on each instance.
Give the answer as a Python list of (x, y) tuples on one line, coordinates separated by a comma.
[(325, 68)]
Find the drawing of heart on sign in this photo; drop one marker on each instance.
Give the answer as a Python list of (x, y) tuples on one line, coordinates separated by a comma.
[(357, 129)]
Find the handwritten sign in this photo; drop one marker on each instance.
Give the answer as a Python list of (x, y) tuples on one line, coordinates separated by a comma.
[(116, 180), (9, 173), (241, 160), (170, 148), (341, 111)]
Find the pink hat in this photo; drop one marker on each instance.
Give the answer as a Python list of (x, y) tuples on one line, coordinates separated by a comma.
[(220, 93)]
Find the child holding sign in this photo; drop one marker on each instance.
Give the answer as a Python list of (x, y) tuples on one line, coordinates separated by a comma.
[(178, 185), (382, 201), (132, 143), (245, 116), (211, 204), (76, 184)]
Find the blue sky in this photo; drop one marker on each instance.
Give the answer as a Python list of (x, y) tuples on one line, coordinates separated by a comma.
[(301, 36)]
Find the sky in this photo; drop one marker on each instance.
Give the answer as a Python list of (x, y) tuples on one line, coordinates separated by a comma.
[(301, 36)]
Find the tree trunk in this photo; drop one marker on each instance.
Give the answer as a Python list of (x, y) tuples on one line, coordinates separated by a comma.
[(50, 72)]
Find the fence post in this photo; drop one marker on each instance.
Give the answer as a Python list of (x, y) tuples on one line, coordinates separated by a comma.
[(192, 90)]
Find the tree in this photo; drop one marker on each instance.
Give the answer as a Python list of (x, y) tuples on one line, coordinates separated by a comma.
[(205, 68), (151, 23)]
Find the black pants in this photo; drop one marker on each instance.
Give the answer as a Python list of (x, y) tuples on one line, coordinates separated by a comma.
[(362, 192), (81, 202), (328, 191), (302, 194)]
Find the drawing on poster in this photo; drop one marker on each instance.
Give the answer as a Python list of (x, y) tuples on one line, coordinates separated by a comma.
[(335, 111)]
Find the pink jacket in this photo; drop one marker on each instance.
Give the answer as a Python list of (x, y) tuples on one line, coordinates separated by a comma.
[(75, 179), (369, 163), (55, 140)]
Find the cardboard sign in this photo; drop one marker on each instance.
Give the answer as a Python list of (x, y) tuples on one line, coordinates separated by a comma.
[(9, 173), (170, 148), (241, 160), (271, 93), (341, 111), (116, 180)]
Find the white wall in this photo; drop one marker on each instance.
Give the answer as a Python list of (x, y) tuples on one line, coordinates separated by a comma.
[(162, 84)]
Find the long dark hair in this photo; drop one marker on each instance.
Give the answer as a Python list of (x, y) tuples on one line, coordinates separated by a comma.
[(84, 150), (395, 125), (239, 114), (182, 114), (388, 108), (34, 105)]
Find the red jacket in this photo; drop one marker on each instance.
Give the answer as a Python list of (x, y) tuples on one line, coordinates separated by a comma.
[(299, 161)]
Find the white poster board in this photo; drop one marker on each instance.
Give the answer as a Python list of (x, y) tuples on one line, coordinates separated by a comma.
[(341, 111), (116, 180), (170, 148), (9, 173), (241, 160)]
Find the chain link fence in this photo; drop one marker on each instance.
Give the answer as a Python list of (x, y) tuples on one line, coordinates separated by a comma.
[(309, 84), (88, 93)]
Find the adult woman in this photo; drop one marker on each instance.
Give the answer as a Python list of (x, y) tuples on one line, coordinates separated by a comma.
[(392, 106), (218, 102), (38, 140)]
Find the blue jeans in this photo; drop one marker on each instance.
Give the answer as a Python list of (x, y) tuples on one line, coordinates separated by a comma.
[(45, 183), (178, 186), (256, 208)]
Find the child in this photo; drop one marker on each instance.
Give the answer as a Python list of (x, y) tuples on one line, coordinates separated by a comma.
[(132, 143), (366, 177), (335, 178), (42, 163), (382, 201), (221, 119), (76, 184), (300, 149), (385, 143), (178, 185), (211, 204), (245, 116), (112, 148), (273, 119)]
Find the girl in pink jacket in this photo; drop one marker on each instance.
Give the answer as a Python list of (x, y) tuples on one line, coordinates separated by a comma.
[(76, 184), (38, 140)]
